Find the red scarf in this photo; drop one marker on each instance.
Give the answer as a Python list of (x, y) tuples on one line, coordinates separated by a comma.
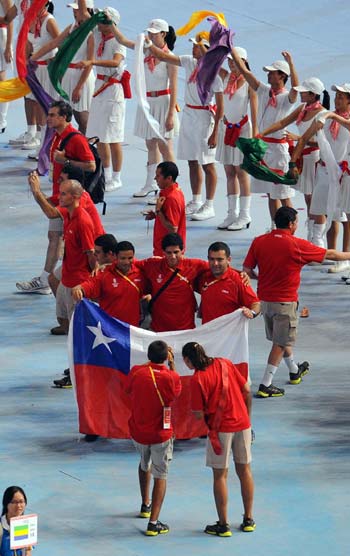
[(193, 76), (39, 22), (24, 6), (101, 46), (273, 100), (335, 126), (151, 60), (232, 84), (308, 108)]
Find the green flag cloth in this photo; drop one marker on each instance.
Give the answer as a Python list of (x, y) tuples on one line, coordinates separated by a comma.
[(58, 66), (254, 151)]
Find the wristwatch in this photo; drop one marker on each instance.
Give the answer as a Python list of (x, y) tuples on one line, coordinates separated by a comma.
[(254, 313)]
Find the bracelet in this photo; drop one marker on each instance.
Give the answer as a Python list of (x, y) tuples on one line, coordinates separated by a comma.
[(254, 313), (292, 165)]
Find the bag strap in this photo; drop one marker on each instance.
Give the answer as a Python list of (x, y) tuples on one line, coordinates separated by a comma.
[(66, 139), (164, 286)]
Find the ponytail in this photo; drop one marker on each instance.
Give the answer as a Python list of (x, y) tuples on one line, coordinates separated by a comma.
[(170, 38), (326, 102), (196, 354)]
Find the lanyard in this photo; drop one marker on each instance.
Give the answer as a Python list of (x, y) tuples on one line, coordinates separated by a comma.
[(206, 286), (127, 279), (156, 387)]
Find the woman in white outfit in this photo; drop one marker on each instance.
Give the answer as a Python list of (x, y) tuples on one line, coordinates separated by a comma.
[(6, 34), (237, 96), (161, 90), (310, 92), (78, 84)]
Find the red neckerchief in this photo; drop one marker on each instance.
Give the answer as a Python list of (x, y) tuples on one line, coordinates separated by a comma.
[(193, 76), (150, 60), (335, 126), (101, 46), (273, 100), (24, 5), (308, 108), (39, 21), (232, 84)]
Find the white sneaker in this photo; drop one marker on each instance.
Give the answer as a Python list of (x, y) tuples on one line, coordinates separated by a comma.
[(113, 184), (32, 143), (34, 286), (192, 207), (146, 190), (239, 224), (204, 213), (21, 139), (348, 282), (339, 266)]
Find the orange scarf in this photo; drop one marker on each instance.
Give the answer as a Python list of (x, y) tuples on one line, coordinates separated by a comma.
[(232, 84), (273, 100)]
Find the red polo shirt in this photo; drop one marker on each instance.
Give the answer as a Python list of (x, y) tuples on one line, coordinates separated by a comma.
[(206, 387), (146, 421), (174, 211), (223, 295), (79, 237), (77, 148), (175, 307), (87, 204), (118, 294), (280, 256)]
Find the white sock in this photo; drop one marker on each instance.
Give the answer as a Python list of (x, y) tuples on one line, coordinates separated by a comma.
[(44, 277), (31, 130), (209, 202), (233, 204), (196, 198), (270, 372), (108, 173), (245, 207), (116, 176), (292, 366)]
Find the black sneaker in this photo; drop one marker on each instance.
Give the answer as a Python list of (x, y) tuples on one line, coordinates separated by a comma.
[(269, 391), (158, 528), (145, 510), (248, 525), (219, 530), (66, 372), (91, 437), (303, 369), (64, 382)]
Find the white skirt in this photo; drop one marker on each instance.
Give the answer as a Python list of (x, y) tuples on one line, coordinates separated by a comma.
[(69, 82), (344, 200), (159, 110), (307, 178), (195, 130), (231, 155), (320, 193)]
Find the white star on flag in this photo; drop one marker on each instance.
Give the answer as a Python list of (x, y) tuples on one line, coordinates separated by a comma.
[(100, 338)]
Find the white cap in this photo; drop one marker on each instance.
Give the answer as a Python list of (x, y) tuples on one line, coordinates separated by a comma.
[(75, 6), (157, 26), (113, 14), (241, 52), (311, 85), (344, 88), (279, 65), (202, 42)]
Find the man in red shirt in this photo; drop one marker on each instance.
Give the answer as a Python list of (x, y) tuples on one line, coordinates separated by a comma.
[(76, 154), (118, 288), (152, 388), (174, 307), (280, 257), (222, 289), (221, 395), (169, 212)]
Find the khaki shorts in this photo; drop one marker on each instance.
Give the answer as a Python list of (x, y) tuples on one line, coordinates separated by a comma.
[(238, 442), (64, 302), (156, 457), (281, 322)]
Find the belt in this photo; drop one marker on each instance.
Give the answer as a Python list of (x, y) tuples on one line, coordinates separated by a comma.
[(241, 123), (155, 94), (309, 150), (73, 65), (209, 107), (273, 140), (42, 62), (3, 25), (107, 79)]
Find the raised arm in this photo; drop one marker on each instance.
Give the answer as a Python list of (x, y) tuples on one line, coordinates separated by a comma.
[(122, 39), (294, 80), (34, 183), (161, 55), (247, 74)]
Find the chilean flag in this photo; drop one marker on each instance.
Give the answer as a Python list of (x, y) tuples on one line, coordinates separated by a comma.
[(102, 351)]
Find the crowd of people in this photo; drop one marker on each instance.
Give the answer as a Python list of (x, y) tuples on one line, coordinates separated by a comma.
[(146, 292)]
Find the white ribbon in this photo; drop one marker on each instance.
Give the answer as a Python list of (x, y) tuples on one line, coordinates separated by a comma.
[(334, 173)]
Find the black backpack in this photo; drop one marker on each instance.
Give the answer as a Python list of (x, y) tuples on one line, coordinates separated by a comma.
[(94, 182)]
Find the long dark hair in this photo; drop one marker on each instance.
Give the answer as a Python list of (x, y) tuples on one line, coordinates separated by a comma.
[(196, 354), (8, 495), (326, 101), (170, 38)]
